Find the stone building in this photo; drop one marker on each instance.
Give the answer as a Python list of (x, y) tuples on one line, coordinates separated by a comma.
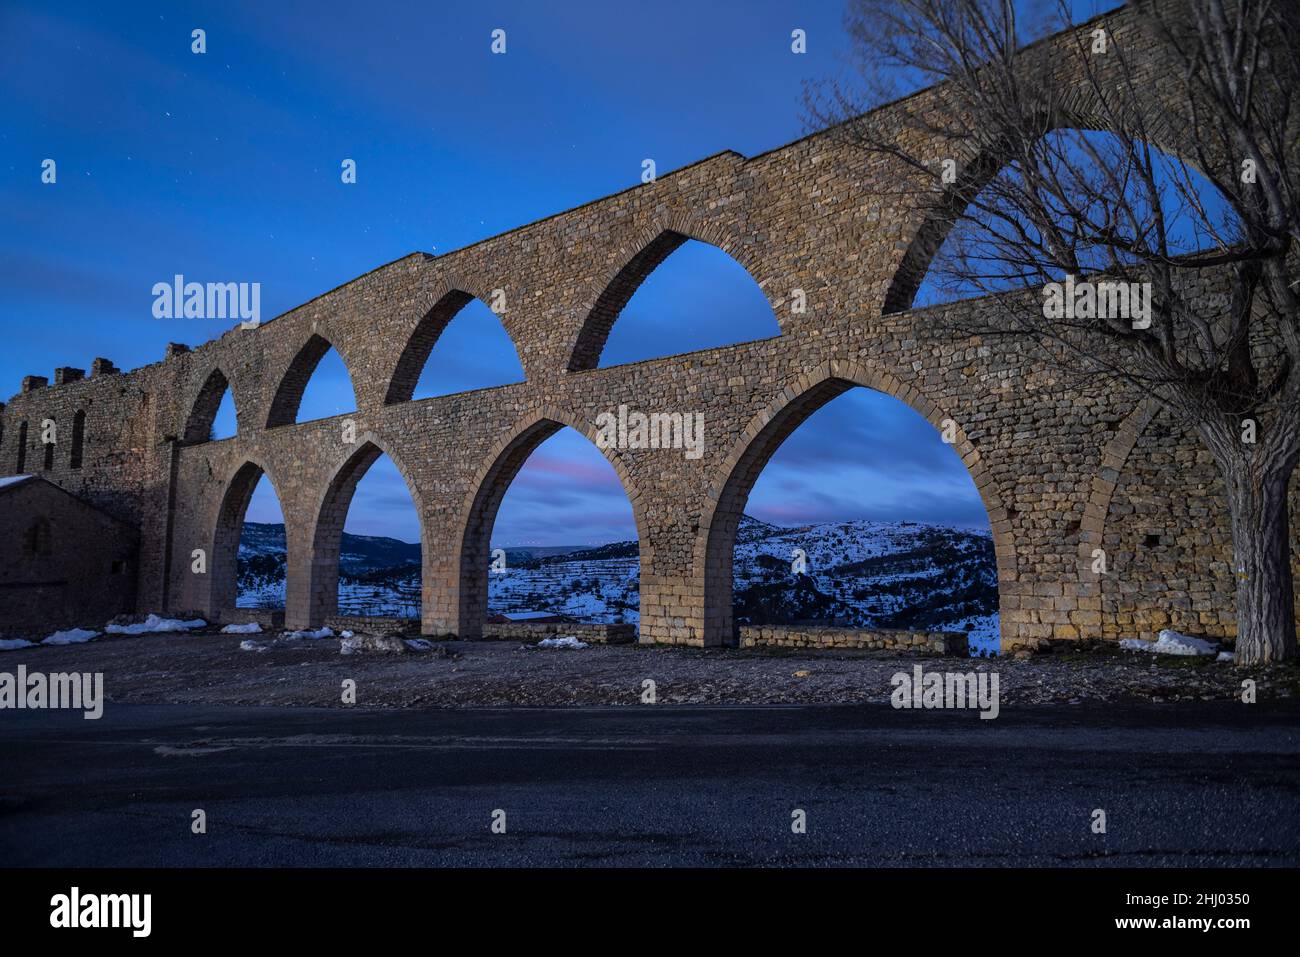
[(62, 561)]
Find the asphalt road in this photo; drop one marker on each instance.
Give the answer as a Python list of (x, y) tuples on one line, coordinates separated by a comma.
[(1208, 784)]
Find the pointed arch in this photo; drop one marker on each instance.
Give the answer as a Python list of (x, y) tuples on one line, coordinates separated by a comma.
[(331, 513), (491, 482), (1078, 112), (1114, 456), (203, 410), (936, 223), (659, 244), (406, 374), (288, 394), (415, 354), (725, 503), (223, 562)]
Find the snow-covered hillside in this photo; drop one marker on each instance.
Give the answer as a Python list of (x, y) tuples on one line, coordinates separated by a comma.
[(857, 574), (595, 584), (261, 564), (867, 574)]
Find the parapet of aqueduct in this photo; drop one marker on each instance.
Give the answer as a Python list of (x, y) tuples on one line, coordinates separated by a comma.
[(1060, 470)]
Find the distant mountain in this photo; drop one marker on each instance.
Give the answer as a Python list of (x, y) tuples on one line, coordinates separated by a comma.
[(521, 553), (581, 553), (261, 564), (360, 553), (260, 538), (854, 574)]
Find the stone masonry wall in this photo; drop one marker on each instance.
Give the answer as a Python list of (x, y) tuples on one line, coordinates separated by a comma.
[(377, 624), (791, 636), (584, 631), (62, 564), (1169, 543)]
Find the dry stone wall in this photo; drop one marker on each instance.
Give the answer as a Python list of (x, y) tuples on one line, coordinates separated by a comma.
[(791, 636), (589, 632)]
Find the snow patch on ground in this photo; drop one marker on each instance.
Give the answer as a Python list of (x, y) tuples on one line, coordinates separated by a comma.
[(1170, 642), (1225, 656), (419, 644), (155, 625), (73, 636), (321, 633), (249, 645), (563, 641), (252, 628), (13, 644)]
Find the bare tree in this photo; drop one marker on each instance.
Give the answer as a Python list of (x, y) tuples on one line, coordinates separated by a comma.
[(1156, 213)]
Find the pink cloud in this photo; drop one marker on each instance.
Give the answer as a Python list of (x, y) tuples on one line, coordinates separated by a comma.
[(541, 469)]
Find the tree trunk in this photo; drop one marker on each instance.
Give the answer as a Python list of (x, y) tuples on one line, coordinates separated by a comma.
[(1266, 627)]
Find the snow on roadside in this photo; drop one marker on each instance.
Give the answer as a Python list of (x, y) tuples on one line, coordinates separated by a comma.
[(419, 644), (252, 628), (249, 645), (13, 644), (73, 636), (1170, 642), (564, 641), (155, 625)]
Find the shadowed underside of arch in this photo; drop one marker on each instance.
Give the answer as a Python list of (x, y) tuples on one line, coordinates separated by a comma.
[(288, 396), (203, 413), (223, 566), (715, 544), (406, 374), (599, 322), (937, 223), (332, 514), (1077, 111), (476, 543)]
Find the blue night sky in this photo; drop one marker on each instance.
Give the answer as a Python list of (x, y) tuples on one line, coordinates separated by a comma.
[(225, 167)]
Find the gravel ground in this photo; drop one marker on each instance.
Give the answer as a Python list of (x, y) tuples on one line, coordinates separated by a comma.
[(209, 668)]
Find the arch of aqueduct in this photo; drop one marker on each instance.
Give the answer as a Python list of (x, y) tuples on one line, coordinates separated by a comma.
[(1061, 470)]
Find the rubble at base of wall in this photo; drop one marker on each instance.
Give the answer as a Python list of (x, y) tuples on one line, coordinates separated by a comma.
[(583, 631), (798, 636), (374, 625)]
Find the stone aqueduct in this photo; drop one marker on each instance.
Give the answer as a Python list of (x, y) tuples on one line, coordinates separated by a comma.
[(1062, 471)]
